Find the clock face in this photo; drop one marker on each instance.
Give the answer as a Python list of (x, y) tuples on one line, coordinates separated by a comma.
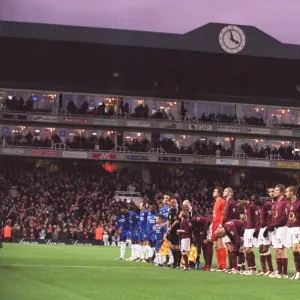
[(232, 39)]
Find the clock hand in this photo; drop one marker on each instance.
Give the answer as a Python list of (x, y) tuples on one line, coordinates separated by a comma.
[(232, 38)]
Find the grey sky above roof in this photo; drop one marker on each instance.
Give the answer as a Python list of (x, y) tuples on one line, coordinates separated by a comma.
[(277, 18)]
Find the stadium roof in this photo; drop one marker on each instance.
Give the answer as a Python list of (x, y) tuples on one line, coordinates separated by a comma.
[(202, 39), (83, 59)]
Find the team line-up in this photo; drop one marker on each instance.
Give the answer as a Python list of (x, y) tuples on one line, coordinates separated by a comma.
[(162, 233)]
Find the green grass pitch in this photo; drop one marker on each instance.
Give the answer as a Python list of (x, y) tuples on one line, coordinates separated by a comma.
[(46, 272)]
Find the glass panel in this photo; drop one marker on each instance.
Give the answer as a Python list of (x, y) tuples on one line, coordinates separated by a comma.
[(280, 115)]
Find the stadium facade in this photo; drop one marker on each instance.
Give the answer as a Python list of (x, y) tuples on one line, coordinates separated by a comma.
[(219, 84)]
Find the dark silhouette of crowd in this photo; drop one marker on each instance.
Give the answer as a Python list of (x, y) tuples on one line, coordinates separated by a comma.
[(61, 200), (283, 152)]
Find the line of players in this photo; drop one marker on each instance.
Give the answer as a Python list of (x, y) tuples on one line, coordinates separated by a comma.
[(264, 223)]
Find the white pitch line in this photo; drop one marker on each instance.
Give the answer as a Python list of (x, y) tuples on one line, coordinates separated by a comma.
[(66, 266)]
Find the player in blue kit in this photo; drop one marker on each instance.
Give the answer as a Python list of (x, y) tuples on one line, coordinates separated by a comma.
[(142, 231), (150, 233), (132, 234), (123, 225), (160, 235)]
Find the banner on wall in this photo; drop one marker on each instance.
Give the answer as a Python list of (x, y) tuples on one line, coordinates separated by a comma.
[(259, 130), (44, 118), (200, 127), (76, 120), (104, 155), (288, 165), (227, 162), (138, 157), (258, 163), (105, 122), (12, 151), (139, 123), (42, 152), (170, 158), (228, 128), (74, 154)]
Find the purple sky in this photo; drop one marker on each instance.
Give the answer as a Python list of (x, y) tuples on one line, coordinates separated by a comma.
[(279, 18)]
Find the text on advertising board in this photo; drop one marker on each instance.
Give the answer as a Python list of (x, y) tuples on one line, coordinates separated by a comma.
[(138, 123), (40, 152), (225, 128), (14, 117), (12, 151), (137, 157), (258, 163), (76, 120), (74, 154), (104, 155), (170, 158), (288, 165), (227, 162), (109, 122), (255, 130), (200, 127), (45, 118)]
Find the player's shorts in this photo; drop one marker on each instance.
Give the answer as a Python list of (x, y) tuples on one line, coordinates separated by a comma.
[(249, 240), (174, 238), (279, 237), (158, 245), (142, 236), (293, 236), (151, 238), (214, 228), (261, 239), (226, 240), (185, 245), (210, 232)]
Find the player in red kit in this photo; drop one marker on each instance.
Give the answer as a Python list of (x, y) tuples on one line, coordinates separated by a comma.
[(279, 231), (231, 212), (264, 220), (234, 230), (250, 220), (201, 230), (218, 216), (293, 227)]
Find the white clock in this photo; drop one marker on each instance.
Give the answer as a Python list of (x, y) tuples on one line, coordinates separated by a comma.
[(232, 39)]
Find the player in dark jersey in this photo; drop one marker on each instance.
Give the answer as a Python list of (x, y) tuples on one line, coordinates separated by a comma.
[(1, 226), (250, 220), (173, 225), (234, 229), (200, 228), (279, 231), (231, 212), (293, 227), (264, 220)]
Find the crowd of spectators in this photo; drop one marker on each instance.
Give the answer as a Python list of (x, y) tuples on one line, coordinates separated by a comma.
[(141, 111), (80, 142), (283, 152), (60, 201)]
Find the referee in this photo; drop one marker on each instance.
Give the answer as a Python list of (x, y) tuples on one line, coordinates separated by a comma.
[(174, 224)]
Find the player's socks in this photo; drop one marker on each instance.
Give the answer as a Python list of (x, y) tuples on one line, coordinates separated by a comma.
[(137, 251), (219, 258), (186, 260), (284, 266), (208, 250), (223, 255), (233, 260), (122, 249), (132, 251), (178, 258), (241, 261), (263, 262), (269, 261), (252, 261), (174, 254), (297, 260), (171, 258), (279, 265)]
